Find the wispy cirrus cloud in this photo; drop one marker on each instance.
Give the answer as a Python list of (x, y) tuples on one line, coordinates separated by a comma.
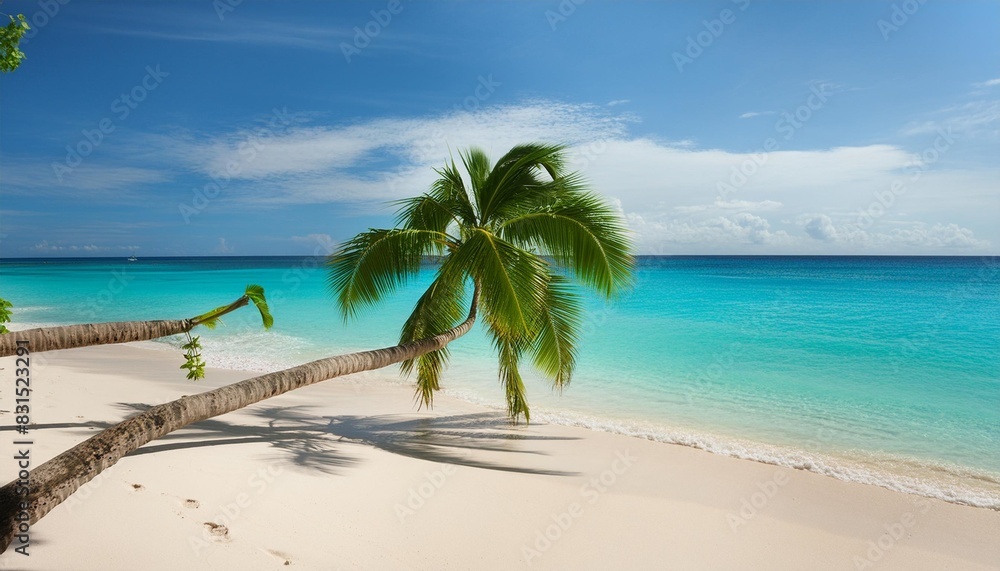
[(975, 118), (254, 33), (30, 175), (179, 25)]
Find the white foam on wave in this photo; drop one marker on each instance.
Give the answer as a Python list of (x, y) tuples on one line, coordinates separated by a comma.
[(947, 482), (254, 351), (24, 308), (24, 325)]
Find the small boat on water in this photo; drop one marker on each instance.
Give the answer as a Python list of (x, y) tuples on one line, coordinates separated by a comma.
[(132, 259)]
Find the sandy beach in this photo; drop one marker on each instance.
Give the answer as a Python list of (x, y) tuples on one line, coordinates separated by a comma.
[(349, 475)]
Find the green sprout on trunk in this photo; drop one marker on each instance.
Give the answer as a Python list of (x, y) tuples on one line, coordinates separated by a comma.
[(194, 364), (4, 314), (193, 361)]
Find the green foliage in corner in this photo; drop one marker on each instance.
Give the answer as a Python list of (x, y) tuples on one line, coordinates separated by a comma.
[(10, 37), (5, 314)]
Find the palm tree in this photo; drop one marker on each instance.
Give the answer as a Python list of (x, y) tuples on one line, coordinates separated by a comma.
[(87, 334), (490, 236), (493, 234)]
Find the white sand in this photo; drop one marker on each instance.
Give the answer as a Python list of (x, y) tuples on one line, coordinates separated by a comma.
[(347, 475)]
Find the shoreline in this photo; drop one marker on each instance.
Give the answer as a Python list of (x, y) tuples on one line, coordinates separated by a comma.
[(953, 483), (346, 473)]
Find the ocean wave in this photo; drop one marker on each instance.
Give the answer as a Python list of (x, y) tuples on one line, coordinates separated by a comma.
[(250, 350), (23, 308), (948, 482), (24, 325)]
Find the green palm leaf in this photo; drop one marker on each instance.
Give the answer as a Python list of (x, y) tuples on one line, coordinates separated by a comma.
[(559, 323), (582, 233), (449, 189), (477, 164), (516, 174), (425, 212), (509, 351), (256, 294), (439, 309), (513, 280), (373, 264)]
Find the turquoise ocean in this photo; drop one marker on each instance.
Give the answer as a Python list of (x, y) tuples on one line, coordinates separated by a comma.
[(882, 370)]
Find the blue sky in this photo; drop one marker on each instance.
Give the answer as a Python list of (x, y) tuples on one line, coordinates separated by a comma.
[(728, 127)]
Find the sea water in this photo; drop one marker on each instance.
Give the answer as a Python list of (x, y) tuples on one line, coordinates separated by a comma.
[(883, 370)]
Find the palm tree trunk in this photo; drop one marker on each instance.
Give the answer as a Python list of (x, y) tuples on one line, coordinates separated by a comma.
[(73, 336), (54, 481)]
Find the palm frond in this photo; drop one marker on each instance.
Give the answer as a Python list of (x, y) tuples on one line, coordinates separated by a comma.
[(256, 295), (449, 189), (424, 212), (541, 196), (439, 309), (477, 164), (509, 350), (583, 233), (429, 367), (373, 264), (559, 322), (513, 280), (516, 173)]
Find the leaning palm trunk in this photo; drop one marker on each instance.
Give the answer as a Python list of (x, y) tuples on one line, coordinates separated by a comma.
[(54, 481), (73, 336), (87, 334)]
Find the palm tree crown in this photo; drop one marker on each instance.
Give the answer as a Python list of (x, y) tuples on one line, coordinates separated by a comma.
[(515, 231)]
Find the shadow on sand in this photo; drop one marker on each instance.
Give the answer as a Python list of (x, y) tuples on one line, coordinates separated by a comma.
[(309, 441)]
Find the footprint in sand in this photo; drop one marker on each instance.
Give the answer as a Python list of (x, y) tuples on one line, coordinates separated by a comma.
[(279, 556), (138, 487), (217, 530), (193, 504)]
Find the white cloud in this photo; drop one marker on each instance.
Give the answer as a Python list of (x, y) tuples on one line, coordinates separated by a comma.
[(822, 228), (676, 194), (938, 236), (907, 237), (661, 234), (46, 246), (223, 247), (975, 118), (304, 164), (750, 114), (617, 102), (746, 226), (719, 204), (174, 25), (37, 177), (988, 83)]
